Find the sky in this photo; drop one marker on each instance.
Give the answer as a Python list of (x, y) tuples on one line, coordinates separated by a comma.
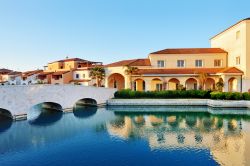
[(35, 32)]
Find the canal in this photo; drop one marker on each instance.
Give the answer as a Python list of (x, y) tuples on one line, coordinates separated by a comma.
[(121, 136)]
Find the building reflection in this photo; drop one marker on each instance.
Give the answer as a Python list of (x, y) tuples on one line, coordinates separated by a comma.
[(226, 137), (223, 136)]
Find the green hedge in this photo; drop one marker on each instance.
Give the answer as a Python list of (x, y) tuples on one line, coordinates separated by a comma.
[(128, 94)]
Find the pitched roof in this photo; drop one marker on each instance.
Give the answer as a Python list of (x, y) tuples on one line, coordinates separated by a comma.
[(80, 80), (190, 71), (190, 51), (5, 71), (29, 73), (230, 27), (71, 59), (44, 73), (15, 73), (59, 73), (131, 62), (231, 70)]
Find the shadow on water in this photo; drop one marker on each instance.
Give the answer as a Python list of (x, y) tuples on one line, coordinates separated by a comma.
[(47, 117), (5, 123), (81, 111)]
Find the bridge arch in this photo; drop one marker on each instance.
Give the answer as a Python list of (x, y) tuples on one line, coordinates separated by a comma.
[(86, 102), (5, 113), (50, 106), (45, 113)]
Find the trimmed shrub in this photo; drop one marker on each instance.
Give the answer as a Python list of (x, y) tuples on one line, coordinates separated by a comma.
[(217, 95), (246, 96), (175, 94), (126, 93)]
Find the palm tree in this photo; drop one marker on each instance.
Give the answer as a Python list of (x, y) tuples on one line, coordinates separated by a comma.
[(97, 73), (202, 80), (220, 85), (130, 71)]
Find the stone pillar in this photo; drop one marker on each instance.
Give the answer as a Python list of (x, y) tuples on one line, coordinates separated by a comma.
[(126, 83), (225, 79), (239, 84), (147, 84), (106, 83)]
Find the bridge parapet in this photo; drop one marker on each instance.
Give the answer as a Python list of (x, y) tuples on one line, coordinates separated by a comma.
[(19, 99)]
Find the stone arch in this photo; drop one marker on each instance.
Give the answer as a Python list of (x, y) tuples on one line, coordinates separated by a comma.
[(50, 105), (210, 84), (45, 113), (86, 102), (156, 84), (5, 120), (173, 84), (5, 113), (116, 80), (191, 84), (139, 84), (232, 84)]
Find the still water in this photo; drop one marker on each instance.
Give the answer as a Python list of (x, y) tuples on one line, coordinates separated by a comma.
[(121, 136)]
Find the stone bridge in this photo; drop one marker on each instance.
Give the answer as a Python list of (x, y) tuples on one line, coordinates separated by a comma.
[(16, 101)]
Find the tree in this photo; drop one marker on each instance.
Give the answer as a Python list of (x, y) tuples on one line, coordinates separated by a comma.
[(130, 71), (97, 73), (202, 80), (220, 85)]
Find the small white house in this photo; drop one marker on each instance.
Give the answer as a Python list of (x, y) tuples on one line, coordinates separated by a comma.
[(30, 77), (82, 77)]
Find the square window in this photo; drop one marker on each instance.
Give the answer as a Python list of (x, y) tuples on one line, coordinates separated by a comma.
[(238, 60), (198, 63), (217, 63), (160, 63), (237, 35), (159, 87), (180, 63)]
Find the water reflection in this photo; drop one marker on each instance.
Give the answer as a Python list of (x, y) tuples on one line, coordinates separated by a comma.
[(5, 123), (81, 111), (46, 117), (226, 137)]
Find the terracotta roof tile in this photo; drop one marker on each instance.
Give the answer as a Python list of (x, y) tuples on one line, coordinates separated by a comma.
[(131, 62), (231, 70), (71, 59), (59, 73), (190, 51), (5, 71), (44, 73), (15, 73), (80, 80), (189, 71), (29, 73)]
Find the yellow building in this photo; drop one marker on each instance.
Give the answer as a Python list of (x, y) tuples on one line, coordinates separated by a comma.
[(68, 71), (236, 41), (226, 61)]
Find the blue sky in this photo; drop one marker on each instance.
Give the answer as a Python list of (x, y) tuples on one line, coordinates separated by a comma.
[(34, 32)]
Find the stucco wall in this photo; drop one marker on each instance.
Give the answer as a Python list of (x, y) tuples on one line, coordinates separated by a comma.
[(171, 59)]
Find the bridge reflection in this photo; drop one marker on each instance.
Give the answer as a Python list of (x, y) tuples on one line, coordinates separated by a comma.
[(47, 117), (226, 136), (82, 111)]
